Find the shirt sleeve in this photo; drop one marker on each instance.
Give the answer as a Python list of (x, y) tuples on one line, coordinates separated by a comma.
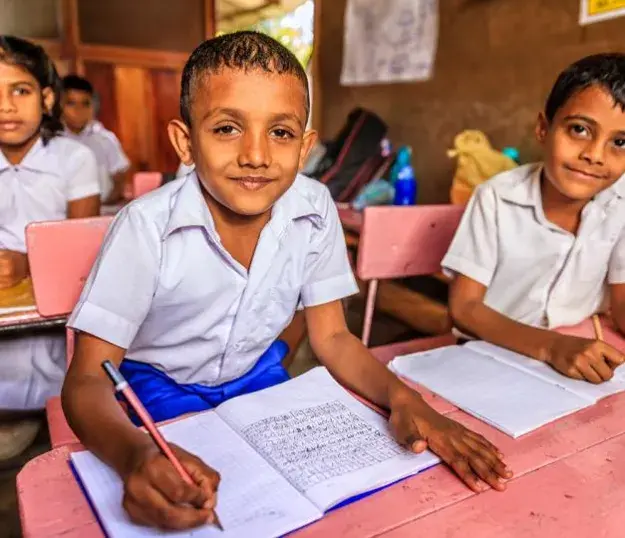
[(82, 174), (616, 266), (328, 275), (118, 294), (116, 159), (473, 251)]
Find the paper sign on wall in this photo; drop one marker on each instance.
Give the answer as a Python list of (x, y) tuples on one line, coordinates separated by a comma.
[(600, 10), (389, 41)]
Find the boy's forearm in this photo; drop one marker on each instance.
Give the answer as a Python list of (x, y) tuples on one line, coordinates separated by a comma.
[(100, 423), (352, 364), (618, 317), (483, 322)]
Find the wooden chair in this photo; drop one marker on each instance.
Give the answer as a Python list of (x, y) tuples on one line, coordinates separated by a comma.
[(60, 255), (398, 242)]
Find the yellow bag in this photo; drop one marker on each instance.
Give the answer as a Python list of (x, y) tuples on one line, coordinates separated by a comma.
[(477, 162)]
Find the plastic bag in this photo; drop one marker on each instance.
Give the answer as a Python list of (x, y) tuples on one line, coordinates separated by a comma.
[(477, 162)]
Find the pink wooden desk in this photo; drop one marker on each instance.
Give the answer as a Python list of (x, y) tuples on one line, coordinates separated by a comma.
[(350, 218), (581, 496), (52, 505)]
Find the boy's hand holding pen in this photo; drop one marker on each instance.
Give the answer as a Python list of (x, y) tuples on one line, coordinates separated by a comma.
[(165, 486)]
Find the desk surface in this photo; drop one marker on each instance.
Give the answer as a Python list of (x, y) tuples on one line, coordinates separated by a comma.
[(27, 319), (52, 504)]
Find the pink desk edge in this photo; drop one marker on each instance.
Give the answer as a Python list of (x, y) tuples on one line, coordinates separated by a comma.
[(51, 502)]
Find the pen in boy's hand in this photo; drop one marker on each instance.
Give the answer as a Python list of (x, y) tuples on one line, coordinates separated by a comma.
[(122, 386)]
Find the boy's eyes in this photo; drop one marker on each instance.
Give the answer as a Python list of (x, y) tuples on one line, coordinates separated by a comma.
[(282, 133), (228, 130), (578, 129), (619, 143), (225, 130)]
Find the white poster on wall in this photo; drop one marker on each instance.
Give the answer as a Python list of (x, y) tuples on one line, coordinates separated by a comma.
[(389, 41), (600, 10)]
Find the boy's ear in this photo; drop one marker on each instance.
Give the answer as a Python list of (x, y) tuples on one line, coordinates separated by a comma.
[(49, 99), (180, 138), (308, 141), (542, 128)]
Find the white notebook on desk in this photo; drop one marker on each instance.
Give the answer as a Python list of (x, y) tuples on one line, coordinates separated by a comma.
[(511, 392), (286, 455)]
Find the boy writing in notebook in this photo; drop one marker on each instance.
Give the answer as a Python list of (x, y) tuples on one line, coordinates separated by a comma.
[(195, 282), (543, 245)]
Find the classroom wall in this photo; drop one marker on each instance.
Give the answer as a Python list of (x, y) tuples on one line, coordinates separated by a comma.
[(29, 18), (496, 61), (153, 24), (137, 103)]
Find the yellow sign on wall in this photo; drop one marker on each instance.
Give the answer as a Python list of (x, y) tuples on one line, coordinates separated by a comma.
[(600, 10)]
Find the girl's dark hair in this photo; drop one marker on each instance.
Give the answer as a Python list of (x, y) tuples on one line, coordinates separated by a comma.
[(244, 51), (606, 70), (33, 58)]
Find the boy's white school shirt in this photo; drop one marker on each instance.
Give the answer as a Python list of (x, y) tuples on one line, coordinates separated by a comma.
[(108, 152), (165, 289), (39, 188), (536, 272)]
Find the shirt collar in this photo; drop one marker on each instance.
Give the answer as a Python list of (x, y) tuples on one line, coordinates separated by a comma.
[(526, 190), (190, 210), (38, 159)]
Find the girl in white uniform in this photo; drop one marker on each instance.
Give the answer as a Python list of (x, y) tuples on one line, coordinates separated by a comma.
[(42, 177)]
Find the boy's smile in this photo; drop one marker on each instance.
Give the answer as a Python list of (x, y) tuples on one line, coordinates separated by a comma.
[(247, 138), (584, 144)]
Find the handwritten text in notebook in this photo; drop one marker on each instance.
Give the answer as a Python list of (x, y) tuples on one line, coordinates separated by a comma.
[(272, 481)]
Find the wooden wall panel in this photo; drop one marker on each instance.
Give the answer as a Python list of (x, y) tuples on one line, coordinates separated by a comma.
[(102, 76), (29, 18), (135, 104), (151, 24), (166, 88)]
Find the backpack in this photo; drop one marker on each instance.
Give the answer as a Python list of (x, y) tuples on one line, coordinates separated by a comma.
[(352, 158)]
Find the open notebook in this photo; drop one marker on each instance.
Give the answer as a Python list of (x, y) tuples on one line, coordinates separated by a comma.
[(286, 455), (509, 391)]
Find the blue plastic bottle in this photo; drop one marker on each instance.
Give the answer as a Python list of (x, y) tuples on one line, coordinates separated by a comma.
[(402, 160), (405, 187), (513, 153)]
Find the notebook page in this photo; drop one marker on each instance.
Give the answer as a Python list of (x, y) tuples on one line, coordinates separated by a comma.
[(253, 499), (584, 389), (324, 441), (506, 398)]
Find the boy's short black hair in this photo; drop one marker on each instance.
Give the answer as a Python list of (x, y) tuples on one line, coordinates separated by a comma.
[(243, 51), (606, 70), (74, 82)]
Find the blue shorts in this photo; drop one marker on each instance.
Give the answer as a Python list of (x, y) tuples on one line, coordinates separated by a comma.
[(165, 399)]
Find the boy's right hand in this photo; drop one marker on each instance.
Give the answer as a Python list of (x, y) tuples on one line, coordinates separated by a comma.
[(155, 495), (581, 358)]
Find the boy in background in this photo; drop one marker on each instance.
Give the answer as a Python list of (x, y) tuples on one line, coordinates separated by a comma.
[(77, 104)]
